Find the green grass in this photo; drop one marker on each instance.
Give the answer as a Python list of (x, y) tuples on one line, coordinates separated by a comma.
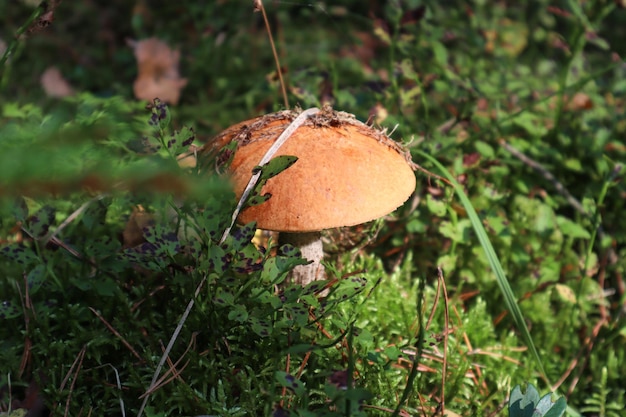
[(519, 106)]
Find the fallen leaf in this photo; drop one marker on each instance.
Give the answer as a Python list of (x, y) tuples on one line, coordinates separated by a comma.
[(54, 84), (471, 159), (158, 75), (507, 38), (133, 232), (580, 101), (565, 293)]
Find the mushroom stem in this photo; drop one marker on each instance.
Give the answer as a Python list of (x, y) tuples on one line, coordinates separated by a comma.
[(310, 244)]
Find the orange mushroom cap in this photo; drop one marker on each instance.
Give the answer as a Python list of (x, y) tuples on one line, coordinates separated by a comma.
[(347, 173)]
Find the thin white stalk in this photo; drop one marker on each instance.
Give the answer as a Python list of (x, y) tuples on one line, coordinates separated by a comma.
[(295, 124)]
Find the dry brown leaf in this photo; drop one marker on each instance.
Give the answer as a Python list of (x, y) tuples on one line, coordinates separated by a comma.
[(158, 75), (578, 102), (54, 84), (133, 232)]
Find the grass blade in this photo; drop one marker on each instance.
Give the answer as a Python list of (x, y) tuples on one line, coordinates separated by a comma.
[(509, 298)]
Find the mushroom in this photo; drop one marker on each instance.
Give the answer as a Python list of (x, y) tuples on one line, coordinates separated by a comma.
[(347, 173)]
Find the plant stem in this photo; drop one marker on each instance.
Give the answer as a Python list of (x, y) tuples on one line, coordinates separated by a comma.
[(259, 5)]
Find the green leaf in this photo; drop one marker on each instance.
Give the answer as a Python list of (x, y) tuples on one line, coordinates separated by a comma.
[(437, 207), (531, 123), (275, 269), (105, 288), (275, 166), (393, 353), (574, 164), (218, 259), (20, 209), (242, 235), (9, 310), (484, 149), (415, 226), (163, 238), (180, 140), (36, 277), (20, 253), (458, 232), (238, 313), (572, 229), (447, 263), (223, 298), (298, 313), (262, 327), (256, 199), (349, 287), (529, 404), (543, 219), (39, 223), (510, 299), (291, 383), (441, 54)]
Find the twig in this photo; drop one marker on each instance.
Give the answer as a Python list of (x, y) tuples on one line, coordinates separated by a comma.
[(71, 218), (297, 122), (258, 6), (78, 363), (118, 382), (117, 334), (547, 175), (477, 373), (435, 302), (40, 18), (443, 129), (445, 340), (56, 241), (560, 188), (170, 344), (119, 387), (26, 305), (417, 167), (165, 379), (419, 350), (581, 360)]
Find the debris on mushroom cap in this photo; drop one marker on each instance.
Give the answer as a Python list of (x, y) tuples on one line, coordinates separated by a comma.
[(347, 173)]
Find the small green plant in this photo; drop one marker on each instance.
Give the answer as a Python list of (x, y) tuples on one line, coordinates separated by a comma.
[(530, 404), (604, 401)]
